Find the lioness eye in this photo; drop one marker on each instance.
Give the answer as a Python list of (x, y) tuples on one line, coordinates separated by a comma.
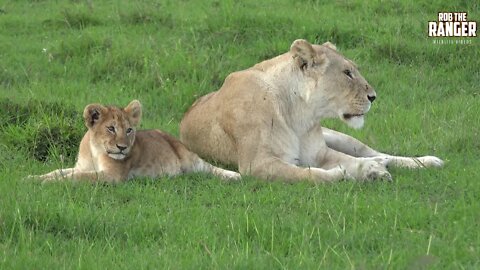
[(129, 130), (348, 73), (111, 129)]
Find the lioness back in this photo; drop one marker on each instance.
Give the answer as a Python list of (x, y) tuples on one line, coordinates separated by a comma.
[(211, 126)]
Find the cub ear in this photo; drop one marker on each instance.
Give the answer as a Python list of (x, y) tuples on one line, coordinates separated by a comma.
[(330, 45), (93, 113), (304, 54), (134, 111)]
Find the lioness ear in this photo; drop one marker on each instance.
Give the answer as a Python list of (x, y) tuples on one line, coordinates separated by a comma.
[(304, 54), (330, 45), (134, 111), (92, 114)]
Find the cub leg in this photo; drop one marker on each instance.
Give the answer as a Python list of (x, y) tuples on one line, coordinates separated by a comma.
[(53, 175), (203, 166), (75, 174), (353, 147)]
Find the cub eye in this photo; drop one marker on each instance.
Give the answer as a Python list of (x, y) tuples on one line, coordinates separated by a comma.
[(129, 130), (348, 73), (111, 129)]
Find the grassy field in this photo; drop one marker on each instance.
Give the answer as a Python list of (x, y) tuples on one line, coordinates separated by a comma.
[(58, 56)]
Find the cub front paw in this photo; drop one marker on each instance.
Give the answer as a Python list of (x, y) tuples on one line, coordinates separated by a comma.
[(40, 178), (229, 175), (33, 178)]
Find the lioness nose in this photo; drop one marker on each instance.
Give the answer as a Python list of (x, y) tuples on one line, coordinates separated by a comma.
[(121, 147), (371, 98)]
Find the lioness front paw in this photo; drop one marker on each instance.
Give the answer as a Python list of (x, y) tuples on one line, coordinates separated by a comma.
[(372, 170), (335, 174), (430, 161), (408, 162), (343, 173)]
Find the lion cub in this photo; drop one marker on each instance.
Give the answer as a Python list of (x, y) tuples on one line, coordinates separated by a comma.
[(113, 150)]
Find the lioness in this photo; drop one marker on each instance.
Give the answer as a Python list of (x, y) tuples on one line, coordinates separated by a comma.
[(113, 151), (266, 120)]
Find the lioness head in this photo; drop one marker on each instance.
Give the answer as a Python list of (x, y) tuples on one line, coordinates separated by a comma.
[(334, 83), (113, 129)]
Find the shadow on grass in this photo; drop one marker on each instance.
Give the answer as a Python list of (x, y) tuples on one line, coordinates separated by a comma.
[(40, 128)]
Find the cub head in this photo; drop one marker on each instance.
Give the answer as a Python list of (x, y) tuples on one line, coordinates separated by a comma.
[(334, 86), (113, 129)]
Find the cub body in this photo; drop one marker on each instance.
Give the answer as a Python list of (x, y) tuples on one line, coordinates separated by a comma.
[(112, 150)]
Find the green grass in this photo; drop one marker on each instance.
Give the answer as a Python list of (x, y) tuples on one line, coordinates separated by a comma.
[(58, 56)]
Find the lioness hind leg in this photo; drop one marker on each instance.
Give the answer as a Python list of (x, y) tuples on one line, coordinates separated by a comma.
[(363, 169), (353, 147), (277, 169)]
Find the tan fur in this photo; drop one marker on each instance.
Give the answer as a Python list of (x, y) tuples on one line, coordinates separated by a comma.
[(113, 151), (265, 120)]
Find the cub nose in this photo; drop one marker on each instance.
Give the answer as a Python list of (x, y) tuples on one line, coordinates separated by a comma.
[(371, 98), (121, 147)]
